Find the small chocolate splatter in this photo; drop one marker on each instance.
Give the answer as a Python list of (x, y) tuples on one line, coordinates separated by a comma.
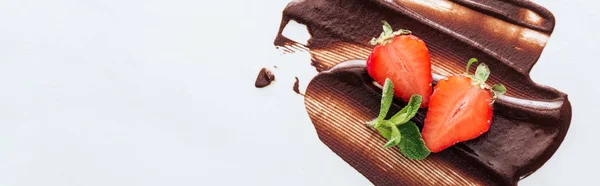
[(297, 86), (275, 66), (264, 78)]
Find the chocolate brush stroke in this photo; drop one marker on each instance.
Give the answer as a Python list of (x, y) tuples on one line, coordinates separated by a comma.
[(340, 101), (529, 123)]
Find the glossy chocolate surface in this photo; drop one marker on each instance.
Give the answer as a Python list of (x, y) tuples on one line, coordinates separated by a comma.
[(529, 122)]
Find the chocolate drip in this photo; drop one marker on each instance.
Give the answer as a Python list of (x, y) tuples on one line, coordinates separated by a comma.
[(296, 87)]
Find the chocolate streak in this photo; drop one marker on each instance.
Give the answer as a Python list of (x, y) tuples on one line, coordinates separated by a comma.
[(529, 123), (296, 86)]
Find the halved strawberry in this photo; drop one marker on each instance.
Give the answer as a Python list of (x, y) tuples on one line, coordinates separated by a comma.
[(404, 59), (460, 109)]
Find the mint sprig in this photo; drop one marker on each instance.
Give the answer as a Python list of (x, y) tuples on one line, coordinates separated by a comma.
[(394, 138), (399, 130), (386, 102), (409, 111)]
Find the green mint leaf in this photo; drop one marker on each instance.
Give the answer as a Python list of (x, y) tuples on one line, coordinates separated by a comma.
[(373, 122), (412, 145), (391, 142), (471, 61), (409, 111), (482, 73), (396, 135), (386, 101), (385, 132), (394, 138), (387, 123)]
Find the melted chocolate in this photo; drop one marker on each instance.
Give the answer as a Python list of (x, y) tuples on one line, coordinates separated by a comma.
[(529, 123), (505, 47), (264, 78), (514, 146), (296, 87)]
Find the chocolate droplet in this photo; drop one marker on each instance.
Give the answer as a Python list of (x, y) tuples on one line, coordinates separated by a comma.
[(297, 86), (264, 78)]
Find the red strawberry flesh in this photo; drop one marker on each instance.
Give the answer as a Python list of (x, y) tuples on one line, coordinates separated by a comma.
[(459, 110), (405, 60)]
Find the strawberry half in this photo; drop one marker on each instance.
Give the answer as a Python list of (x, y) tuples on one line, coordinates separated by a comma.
[(460, 108), (404, 59)]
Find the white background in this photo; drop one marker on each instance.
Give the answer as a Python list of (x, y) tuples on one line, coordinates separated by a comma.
[(149, 92)]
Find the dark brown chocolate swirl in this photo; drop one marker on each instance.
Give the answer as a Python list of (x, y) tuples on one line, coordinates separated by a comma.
[(529, 123), (523, 135)]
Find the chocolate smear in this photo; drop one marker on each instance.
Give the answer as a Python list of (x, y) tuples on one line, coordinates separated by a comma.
[(296, 87), (529, 123), (264, 78), (513, 147)]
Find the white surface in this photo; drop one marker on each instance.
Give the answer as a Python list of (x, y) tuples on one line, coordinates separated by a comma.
[(117, 93)]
